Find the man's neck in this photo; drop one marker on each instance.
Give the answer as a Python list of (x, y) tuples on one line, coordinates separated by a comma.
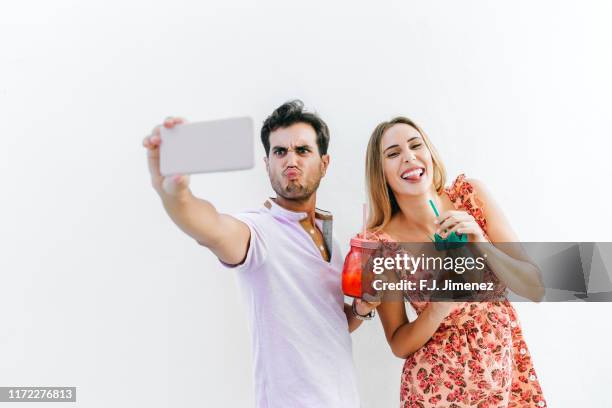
[(307, 206)]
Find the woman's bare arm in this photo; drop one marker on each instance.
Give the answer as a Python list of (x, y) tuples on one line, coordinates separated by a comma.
[(508, 260), (405, 337)]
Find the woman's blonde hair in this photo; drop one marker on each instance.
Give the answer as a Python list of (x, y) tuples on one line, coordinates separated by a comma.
[(383, 204)]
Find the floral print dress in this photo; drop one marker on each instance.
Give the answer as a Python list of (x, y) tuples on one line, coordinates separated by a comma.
[(477, 357)]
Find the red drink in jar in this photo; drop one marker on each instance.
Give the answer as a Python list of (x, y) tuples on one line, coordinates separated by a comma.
[(357, 275)]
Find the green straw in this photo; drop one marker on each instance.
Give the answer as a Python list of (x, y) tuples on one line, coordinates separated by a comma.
[(435, 210), (433, 206)]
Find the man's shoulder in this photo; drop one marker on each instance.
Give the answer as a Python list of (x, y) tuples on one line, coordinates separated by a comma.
[(256, 216), (254, 213)]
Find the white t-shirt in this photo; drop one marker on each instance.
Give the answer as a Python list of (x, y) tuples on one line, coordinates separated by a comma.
[(301, 344)]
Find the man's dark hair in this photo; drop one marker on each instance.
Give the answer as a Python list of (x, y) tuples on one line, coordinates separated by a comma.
[(290, 113)]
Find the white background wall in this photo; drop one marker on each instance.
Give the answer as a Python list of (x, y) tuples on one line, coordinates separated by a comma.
[(101, 291)]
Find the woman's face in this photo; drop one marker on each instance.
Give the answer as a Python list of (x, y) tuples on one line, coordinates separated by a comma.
[(407, 162)]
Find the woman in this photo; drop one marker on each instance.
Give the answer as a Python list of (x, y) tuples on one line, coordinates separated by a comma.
[(457, 354)]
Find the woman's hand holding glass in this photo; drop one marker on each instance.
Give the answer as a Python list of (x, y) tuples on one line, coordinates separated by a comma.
[(460, 222)]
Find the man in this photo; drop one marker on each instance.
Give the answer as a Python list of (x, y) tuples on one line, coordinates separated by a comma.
[(289, 267)]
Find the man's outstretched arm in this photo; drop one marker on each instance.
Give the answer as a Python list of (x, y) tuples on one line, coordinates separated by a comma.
[(226, 236)]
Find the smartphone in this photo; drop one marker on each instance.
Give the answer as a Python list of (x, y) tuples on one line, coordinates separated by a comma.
[(209, 146)]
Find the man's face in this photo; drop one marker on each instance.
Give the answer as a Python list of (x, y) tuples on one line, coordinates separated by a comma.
[(294, 165)]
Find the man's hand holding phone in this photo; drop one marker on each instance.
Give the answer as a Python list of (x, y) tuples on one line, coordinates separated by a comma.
[(194, 148), (173, 185)]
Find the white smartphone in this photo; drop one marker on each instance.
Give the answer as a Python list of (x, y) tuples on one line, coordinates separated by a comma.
[(204, 147)]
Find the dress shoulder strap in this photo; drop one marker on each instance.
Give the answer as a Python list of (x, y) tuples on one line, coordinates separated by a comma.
[(463, 196)]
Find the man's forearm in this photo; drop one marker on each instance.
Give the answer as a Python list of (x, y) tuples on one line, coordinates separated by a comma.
[(196, 217)]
